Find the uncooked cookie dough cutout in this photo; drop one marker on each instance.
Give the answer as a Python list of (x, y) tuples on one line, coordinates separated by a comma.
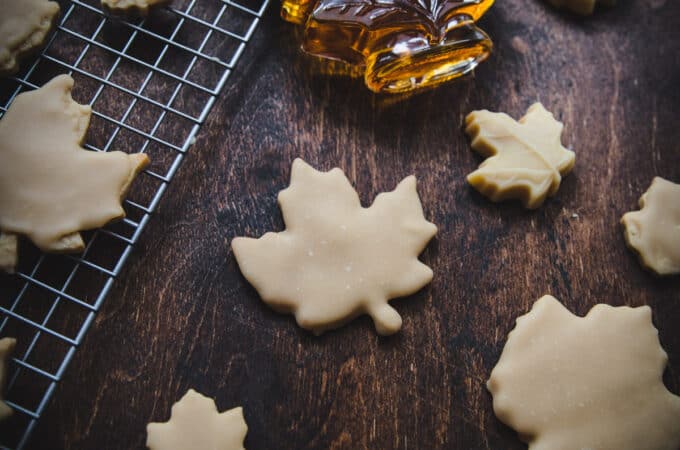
[(24, 26), (50, 187), (653, 232), (565, 382), (583, 7), (132, 7), (336, 259), (6, 348), (196, 424), (525, 158)]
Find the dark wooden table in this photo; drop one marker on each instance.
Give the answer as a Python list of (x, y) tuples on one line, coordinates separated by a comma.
[(182, 316)]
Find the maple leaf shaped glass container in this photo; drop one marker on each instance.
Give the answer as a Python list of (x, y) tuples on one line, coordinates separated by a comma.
[(401, 44)]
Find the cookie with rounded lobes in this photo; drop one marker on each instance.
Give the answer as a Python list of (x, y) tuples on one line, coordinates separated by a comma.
[(137, 8), (565, 382), (6, 348), (525, 158), (653, 232), (50, 187), (24, 26), (336, 259), (196, 424)]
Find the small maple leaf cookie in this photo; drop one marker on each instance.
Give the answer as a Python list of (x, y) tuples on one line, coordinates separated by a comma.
[(196, 424), (654, 231), (50, 187), (526, 160), (132, 7), (336, 259), (565, 382), (24, 25), (6, 348)]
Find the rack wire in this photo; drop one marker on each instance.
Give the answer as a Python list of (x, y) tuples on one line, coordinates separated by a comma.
[(151, 83)]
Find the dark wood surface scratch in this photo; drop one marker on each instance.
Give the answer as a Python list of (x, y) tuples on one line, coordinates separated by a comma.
[(182, 316)]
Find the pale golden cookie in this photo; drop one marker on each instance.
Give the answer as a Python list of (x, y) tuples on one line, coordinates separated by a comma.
[(6, 348), (196, 424), (132, 7), (336, 259), (654, 231), (24, 25), (525, 159), (50, 187), (583, 7), (565, 382)]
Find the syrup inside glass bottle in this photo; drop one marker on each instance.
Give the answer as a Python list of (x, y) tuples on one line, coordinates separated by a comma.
[(402, 44)]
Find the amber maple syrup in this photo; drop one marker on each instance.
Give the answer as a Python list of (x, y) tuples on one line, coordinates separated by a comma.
[(402, 45)]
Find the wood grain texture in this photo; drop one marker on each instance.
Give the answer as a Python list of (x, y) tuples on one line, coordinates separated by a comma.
[(182, 316)]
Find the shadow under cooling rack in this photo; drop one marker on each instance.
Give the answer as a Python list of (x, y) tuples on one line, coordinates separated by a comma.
[(151, 84)]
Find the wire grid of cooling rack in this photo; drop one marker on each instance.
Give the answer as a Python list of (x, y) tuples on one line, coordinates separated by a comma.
[(151, 83)]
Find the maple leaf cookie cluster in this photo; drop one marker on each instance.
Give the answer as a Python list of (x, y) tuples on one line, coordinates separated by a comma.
[(562, 381)]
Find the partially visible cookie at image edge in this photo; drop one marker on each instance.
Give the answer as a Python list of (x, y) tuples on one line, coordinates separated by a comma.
[(24, 27)]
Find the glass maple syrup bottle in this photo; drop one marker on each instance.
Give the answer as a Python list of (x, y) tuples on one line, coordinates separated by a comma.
[(402, 44)]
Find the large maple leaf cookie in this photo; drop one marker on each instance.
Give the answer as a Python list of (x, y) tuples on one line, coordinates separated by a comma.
[(50, 187), (565, 382), (24, 25), (654, 231), (337, 259), (525, 158), (195, 424), (6, 348)]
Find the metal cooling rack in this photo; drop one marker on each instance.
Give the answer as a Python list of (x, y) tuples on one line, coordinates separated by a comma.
[(151, 84)]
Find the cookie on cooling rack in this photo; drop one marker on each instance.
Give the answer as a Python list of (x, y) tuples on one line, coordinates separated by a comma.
[(24, 26), (131, 7), (6, 348), (52, 188)]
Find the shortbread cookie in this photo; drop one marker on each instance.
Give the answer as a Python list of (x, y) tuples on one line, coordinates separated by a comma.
[(525, 159), (654, 231), (565, 382), (196, 424), (50, 187), (24, 26), (6, 348), (583, 7), (132, 7), (337, 260)]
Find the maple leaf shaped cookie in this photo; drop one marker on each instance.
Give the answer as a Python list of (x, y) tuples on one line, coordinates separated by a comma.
[(196, 424), (654, 231), (132, 7), (6, 348), (50, 187), (565, 382), (336, 259), (525, 159), (24, 25)]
